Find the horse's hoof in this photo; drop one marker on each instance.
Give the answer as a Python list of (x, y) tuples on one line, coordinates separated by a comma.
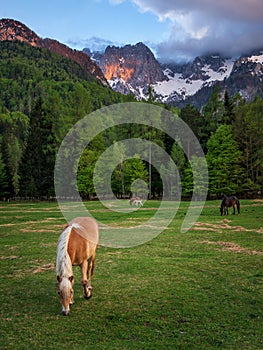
[(88, 293), (65, 313)]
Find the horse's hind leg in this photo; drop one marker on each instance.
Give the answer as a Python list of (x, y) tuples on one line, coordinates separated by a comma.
[(84, 281), (87, 271)]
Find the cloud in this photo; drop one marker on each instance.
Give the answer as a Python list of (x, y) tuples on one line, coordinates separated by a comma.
[(198, 27), (94, 43), (116, 2)]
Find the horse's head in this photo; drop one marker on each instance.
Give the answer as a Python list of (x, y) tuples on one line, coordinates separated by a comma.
[(65, 292)]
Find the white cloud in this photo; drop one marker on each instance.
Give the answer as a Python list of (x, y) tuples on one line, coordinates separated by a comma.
[(242, 9), (94, 43), (201, 26), (116, 2)]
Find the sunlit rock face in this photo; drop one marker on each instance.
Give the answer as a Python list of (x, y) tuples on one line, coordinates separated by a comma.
[(12, 30), (130, 66)]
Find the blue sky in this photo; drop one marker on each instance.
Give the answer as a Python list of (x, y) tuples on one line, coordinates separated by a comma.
[(73, 22), (175, 29)]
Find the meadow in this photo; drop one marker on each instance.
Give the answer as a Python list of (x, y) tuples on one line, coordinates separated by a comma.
[(201, 289)]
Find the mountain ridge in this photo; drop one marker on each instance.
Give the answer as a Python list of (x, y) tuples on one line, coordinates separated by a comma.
[(133, 69), (193, 82), (13, 30)]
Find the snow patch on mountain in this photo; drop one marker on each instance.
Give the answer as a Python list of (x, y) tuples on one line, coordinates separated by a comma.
[(133, 69), (176, 83), (257, 58)]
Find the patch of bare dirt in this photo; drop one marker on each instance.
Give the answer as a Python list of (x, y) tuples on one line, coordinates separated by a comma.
[(11, 257), (47, 220), (7, 225), (234, 247), (203, 226), (44, 268), (35, 230)]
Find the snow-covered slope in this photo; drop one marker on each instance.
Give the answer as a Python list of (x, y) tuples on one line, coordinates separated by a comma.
[(257, 58), (185, 86)]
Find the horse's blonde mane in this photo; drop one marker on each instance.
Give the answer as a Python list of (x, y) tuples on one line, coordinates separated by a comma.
[(63, 263)]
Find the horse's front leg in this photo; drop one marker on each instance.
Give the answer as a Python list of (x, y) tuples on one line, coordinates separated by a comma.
[(86, 280), (72, 297)]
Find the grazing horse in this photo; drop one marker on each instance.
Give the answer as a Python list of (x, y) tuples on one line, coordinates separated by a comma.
[(137, 201), (228, 202), (76, 246)]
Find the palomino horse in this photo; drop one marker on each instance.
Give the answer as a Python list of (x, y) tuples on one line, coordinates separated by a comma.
[(137, 201), (76, 246), (228, 202)]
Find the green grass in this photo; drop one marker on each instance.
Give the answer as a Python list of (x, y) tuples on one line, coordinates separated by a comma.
[(196, 290)]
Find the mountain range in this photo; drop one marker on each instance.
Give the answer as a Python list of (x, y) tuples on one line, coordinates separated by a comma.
[(134, 68)]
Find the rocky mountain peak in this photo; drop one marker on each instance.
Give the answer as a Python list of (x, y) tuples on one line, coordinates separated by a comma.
[(130, 65), (12, 30)]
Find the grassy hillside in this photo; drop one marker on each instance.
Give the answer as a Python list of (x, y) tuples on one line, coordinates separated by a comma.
[(42, 95)]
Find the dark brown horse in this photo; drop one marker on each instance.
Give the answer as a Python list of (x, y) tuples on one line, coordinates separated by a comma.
[(228, 202)]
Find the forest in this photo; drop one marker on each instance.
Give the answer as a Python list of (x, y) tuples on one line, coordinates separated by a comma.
[(42, 95)]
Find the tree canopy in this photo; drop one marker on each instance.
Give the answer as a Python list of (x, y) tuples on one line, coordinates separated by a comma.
[(42, 95)]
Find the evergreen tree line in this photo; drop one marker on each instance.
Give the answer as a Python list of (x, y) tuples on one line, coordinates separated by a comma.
[(42, 95)]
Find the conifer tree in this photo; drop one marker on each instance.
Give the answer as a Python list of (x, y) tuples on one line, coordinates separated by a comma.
[(3, 180), (229, 113), (36, 171), (224, 162)]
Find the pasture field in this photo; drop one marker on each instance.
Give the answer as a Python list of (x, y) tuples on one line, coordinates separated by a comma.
[(201, 289)]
